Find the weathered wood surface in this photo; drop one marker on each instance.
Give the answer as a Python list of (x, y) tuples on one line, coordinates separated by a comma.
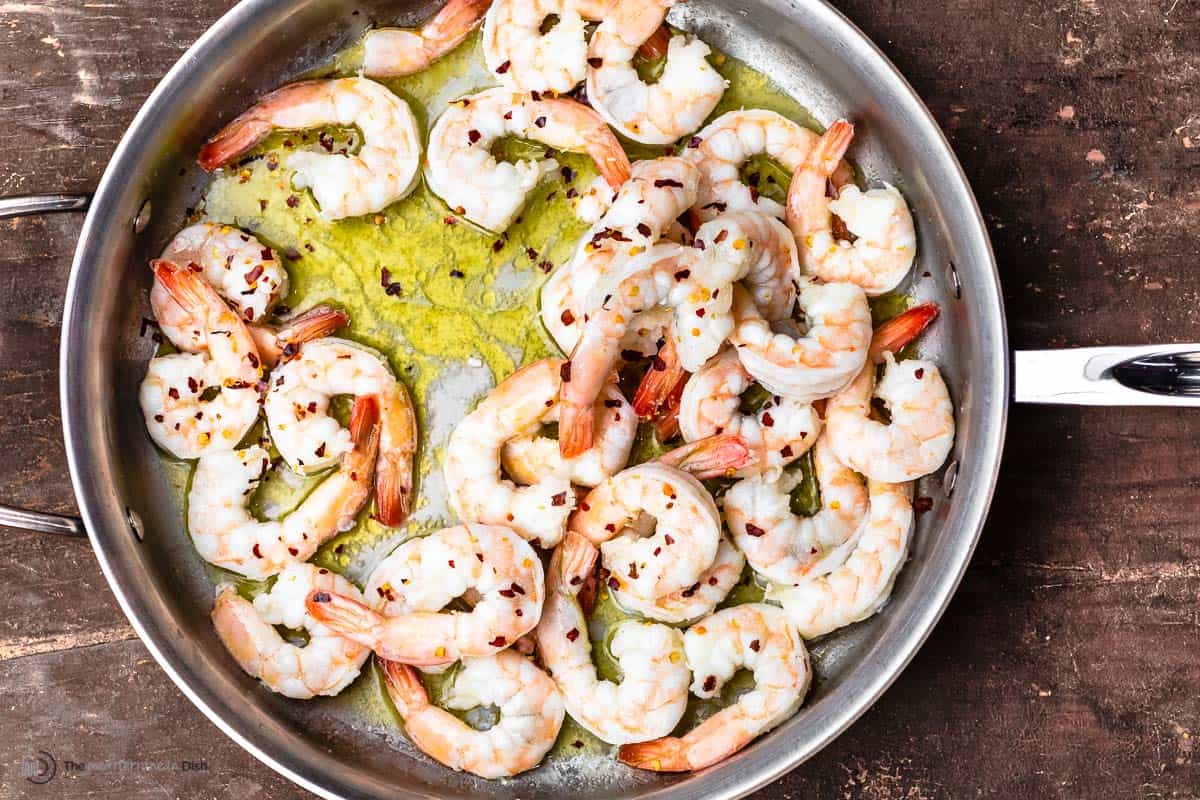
[(1067, 665)]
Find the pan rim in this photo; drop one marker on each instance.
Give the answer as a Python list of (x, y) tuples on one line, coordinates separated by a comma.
[(987, 451)]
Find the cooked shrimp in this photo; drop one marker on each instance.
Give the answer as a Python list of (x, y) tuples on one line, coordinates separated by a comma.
[(524, 56), (241, 269), (465, 174), (530, 714), (383, 171), (392, 52), (698, 600), (172, 395), (652, 113), (734, 138), (652, 695), (325, 665), (824, 359), (693, 282), (514, 411), (532, 458), (885, 241), (784, 547), (644, 210), (754, 636), (780, 432), (488, 562), (310, 440), (224, 531), (719, 456), (920, 434), (861, 585), (685, 538)]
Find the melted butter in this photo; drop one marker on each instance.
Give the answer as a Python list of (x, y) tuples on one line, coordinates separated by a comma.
[(461, 316)]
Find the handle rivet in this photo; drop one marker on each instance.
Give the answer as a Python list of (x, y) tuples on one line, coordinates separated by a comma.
[(950, 478), (135, 524), (955, 281), (143, 217)]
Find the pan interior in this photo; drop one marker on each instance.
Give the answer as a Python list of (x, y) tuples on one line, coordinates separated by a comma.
[(341, 749)]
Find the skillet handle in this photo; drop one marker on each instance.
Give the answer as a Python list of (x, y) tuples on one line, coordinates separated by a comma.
[(1145, 375), (28, 205), (41, 523), (24, 206)]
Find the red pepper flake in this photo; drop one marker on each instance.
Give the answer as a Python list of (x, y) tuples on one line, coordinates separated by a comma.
[(754, 530), (699, 245), (254, 274), (256, 550), (667, 182), (715, 205), (559, 499), (326, 141), (450, 220), (450, 562), (480, 557), (537, 96), (540, 122), (473, 136), (611, 528), (572, 193), (694, 142), (700, 312), (786, 451), (516, 587), (499, 641), (262, 205), (546, 267), (923, 504), (722, 236), (320, 451), (567, 317), (568, 174), (578, 743), (712, 581), (633, 571), (585, 507), (531, 254), (457, 273), (595, 63), (710, 683), (919, 373), (668, 539), (572, 634), (507, 593), (612, 404), (756, 645), (613, 583), (564, 372), (293, 201), (576, 580), (293, 551), (644, 229), (497, 245), (518, 612), (767, 419), (691, 590), (318, 597), (267, 255)]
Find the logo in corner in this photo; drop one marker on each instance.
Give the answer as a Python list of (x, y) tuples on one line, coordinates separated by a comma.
[(39, 768)]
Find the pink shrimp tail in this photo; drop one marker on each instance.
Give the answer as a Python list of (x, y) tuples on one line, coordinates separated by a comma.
[(661, 755), (893, 335), (573, 560), (711, 457), (575, 429), (830, 148), (364, 424), (602, 144), (346, 616), (656, 46), (316, 323), (403, 685), (452, 24), (231, 141), (659, 382), (393, 490), (185, 285)]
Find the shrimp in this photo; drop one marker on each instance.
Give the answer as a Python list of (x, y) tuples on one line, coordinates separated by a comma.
[(719, 456), (817, 364), (242, 269), (685, 538), (383, 171), (310, 440), (651, 113), (532, 458), (754, 636), (465, 174), (530, 710), (325, 665), (652, 695), (784, 547), (732, 139), (526, 57), (885, 240), (693, 282), (393, 52), (278, 344), (172, 395), (226, 534), (487, 562), (512, 412), (863, 583), (919, 435), (643, 212), (698, 600), (781, 431)]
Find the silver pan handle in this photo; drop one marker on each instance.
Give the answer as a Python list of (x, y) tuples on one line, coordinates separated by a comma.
[(1145, 375), (21, 207)]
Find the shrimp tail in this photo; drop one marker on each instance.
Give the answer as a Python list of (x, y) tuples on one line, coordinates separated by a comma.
[(185, 285), (393, 490), (231, 141), (711, 457), (661, 755), (572, 562), (656, 46), (666, 426), (575, 429), (316, 323), (364, 425), (452, 24), (893, 335), (603, 146), (347, 617), (830, 148), (403, 686), (663, 377)]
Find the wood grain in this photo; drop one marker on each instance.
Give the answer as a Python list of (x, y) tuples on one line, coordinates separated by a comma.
[(1066, 665)]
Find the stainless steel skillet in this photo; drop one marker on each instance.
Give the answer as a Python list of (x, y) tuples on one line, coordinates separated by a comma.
[(328, 746)]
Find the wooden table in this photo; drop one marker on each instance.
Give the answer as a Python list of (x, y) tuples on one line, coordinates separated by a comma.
[(1069, 662)]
